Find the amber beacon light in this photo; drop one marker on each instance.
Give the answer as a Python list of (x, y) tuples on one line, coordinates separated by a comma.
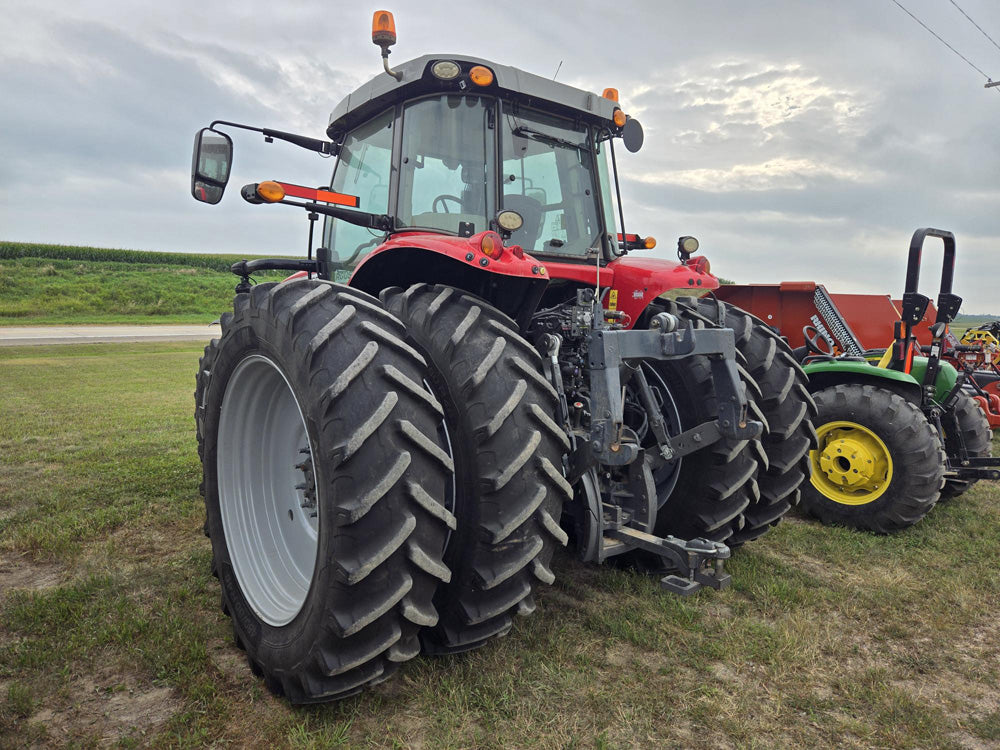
[(383, 29)]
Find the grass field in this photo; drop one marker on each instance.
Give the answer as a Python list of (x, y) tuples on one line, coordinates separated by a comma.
[(56, 285), (63, 284), (111, 633)]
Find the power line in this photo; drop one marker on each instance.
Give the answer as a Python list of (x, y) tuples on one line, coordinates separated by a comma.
[(975, 24), (936, 36)]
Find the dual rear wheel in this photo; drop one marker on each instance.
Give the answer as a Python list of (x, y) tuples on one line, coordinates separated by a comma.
[(344, 536), (384, 477), (735, 491)]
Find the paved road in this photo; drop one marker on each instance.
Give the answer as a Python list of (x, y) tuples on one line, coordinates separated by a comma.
[(29, 335)]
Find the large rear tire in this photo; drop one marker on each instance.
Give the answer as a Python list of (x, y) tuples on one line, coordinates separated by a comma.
[(703, 494), (879, 465), (508, 453), (323, 480), (787, 407), (975, 433)]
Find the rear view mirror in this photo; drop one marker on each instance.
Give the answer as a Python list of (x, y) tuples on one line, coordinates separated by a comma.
[(213, 156), (632, 135)]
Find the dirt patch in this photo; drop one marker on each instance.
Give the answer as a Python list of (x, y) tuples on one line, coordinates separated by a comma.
[(618, 654), (142, 544), (819, 569), (20, 572), (413, 728), (107, 711), (230, 661)]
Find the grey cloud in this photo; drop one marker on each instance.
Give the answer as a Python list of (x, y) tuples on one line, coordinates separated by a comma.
[(889, 131)]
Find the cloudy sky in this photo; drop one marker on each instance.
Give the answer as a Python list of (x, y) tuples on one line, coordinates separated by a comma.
[(797, 139)]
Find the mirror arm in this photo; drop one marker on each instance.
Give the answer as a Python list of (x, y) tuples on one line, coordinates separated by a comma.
[(312, 144), (381, 222), (618, 195)]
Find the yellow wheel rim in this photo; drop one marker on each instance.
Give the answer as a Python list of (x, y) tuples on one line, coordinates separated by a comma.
[(852, 466)]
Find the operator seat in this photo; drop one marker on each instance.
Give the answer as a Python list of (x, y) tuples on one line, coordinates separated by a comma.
[(532, 213)]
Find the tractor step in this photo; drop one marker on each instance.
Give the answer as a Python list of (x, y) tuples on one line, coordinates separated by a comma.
[(698, 562)]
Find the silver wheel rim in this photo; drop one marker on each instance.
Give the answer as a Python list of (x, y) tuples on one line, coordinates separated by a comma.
[(272, 538)]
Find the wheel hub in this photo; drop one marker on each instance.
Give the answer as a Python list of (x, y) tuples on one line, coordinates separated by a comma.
[(852, 465), (850, 462), (267, 490)]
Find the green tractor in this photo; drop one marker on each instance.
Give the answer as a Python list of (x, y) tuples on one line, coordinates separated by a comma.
[(897, 428)]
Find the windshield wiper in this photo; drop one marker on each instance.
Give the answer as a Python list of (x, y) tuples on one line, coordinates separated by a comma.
[(537, 135)]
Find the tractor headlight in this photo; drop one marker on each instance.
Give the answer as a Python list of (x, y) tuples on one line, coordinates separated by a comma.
[(509, 221), (687, 245), (446, 70)]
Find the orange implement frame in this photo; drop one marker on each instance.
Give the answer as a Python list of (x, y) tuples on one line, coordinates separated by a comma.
[(790, 306)]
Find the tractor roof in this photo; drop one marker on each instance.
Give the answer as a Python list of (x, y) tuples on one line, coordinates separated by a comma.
[(384, 90)]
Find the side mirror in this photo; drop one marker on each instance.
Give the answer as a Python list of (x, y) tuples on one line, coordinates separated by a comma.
[(632, 135), (213, 157)]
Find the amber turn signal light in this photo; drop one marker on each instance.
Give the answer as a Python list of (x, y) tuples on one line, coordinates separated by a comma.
[(481, 76), (649, 243), (270, 191), (619, 118)]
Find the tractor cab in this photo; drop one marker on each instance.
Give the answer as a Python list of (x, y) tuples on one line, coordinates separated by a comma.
[(459, 146), (458, 168)]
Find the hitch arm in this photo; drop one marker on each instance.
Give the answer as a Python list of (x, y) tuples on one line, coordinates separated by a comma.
[(699, 562), (609, 349)]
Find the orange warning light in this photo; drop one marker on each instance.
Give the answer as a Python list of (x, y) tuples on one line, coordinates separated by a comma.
[(383, 28)]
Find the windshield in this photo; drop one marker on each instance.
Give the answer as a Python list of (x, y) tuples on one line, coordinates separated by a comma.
[(446, 165), (548, 177)]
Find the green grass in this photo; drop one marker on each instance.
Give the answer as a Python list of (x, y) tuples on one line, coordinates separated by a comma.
[(220, 262), (110, 629), (54, 284)]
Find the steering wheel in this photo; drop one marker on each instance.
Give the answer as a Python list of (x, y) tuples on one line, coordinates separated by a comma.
[(814, 339), (363, 246), (444, 204)]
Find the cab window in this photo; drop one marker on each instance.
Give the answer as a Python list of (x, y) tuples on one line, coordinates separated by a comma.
[(548, 176), (363, 168), (445, 165)]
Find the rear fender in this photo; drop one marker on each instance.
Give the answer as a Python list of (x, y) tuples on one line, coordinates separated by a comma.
[(827, 374), (517, 296), (946, 378)]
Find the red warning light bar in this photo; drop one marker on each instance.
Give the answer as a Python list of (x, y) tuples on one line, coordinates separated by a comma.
[(314, 194)]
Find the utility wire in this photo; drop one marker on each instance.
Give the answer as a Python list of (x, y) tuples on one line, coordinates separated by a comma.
[(936, 36), (975, 24)]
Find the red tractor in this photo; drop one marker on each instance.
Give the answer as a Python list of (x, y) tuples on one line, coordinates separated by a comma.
[(467, 373)]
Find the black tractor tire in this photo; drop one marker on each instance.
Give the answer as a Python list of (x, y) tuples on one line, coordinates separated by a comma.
[(375, 471), (911, 442), (703, 494), (783, 399), (508, 452), (975, 434)]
